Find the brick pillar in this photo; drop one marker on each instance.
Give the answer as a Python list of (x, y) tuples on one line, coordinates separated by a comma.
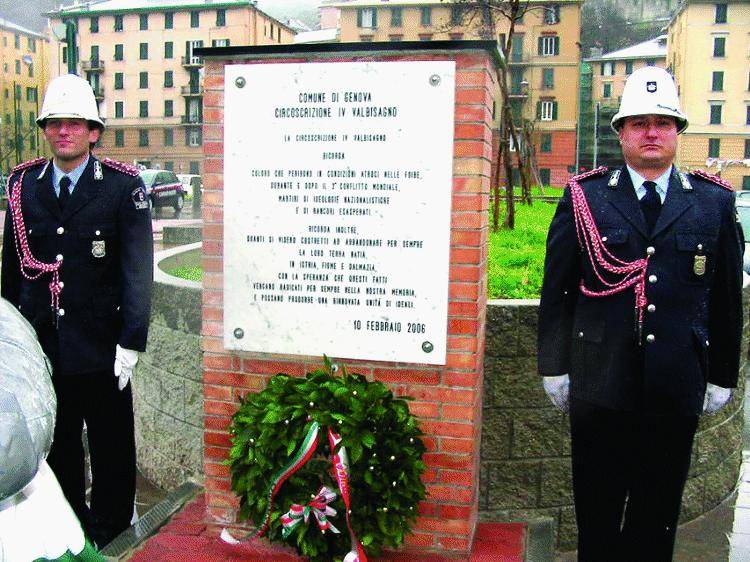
[(448, 398)]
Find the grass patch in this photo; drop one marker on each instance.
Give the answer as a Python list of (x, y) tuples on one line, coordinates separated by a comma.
[(191, 273), (515, 264)]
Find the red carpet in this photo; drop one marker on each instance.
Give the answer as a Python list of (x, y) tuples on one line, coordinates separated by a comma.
[(187, 538)]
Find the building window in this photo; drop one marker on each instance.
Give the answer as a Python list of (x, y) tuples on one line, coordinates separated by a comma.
[(31, 70), (546, 110), (195, 19), (168, 108), (193, 137), (118, 23), (118, 80), (651, 62), (717, 81), (220, 42), (119, 137), (18, 67), (607, 68), (143, 108), (169, 165), (607, 93), (745, 183), (143, 19), (94, 24), (545, 176), (721, 13), (143, 80), (549, 45), (32, 117), (366, 17), (552, 14), (457, 15), (546, 143), (195, 167), (396, 17), (747, 148), (221, 18), (715, 114), (628, 67), (747, 115), (168, 20), (142, 137), (548, 78), (32, 44), (143, 51), (719, 46), (168, 78), (119, 52), (714, 147), (425, 16), (119, 109), (31, 94), (168, 137), (32, 142)]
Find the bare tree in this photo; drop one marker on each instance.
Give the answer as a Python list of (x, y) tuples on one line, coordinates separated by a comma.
[(496, 20)]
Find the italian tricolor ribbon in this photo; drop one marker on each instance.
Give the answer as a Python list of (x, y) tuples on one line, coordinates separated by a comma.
[(318, 506)]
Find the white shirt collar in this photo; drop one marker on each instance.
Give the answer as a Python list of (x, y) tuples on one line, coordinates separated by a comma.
[(74, 175), (662, 183)]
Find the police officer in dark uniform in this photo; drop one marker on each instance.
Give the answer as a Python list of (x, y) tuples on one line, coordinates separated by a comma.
[(78, 263), (639, 325)]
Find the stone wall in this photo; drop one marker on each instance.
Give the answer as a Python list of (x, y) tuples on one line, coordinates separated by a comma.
[(168, 382), (525, 460)]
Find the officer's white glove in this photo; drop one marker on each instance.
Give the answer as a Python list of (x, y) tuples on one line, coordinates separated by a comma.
[(38, 523), (716, 398), (558, 390), (125, 361)]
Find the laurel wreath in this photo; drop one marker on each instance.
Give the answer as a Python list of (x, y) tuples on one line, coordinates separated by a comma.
[(382, 440)]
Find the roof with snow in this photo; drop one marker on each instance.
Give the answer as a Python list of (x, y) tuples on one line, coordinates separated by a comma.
[(652, 49)]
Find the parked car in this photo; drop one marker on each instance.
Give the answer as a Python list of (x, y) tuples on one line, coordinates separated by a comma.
[(190, 183), (743, 195), (163, 190), (743, 211)]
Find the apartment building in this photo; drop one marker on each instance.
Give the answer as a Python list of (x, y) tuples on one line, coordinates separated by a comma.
[(608, 75), (543, 64), (139, 57), (23, 78), (708, 49)]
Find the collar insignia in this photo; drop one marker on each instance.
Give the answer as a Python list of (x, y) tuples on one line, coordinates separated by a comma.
[(98, 175), (614, 178)]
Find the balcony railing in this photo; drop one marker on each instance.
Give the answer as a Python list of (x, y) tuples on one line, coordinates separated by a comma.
[(98, 92), (519, 58), (192, 119), (192, 90), (93, 65), (192, 61)]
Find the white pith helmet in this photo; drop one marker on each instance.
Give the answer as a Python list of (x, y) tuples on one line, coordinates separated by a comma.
[(650, 90), (69, 96)]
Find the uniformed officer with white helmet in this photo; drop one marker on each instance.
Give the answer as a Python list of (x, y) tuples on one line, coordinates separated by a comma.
[(639, 324), (77, 262)]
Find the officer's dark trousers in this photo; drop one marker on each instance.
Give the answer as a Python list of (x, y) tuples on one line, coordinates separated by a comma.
[(629, 471), (108, 413)]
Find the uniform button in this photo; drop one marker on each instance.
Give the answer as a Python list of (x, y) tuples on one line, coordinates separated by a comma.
[(98, 232), (651, 307), (580, 334), (604, 238), (62, 284), (61, 312), (651, 338), (706, 343), (650, 250), (652, 278), (59, 257), (700, 247), (60, 230), (29, 231)]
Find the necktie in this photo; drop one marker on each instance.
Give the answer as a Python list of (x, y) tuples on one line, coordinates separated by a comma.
[(650, 205), (62, 198)]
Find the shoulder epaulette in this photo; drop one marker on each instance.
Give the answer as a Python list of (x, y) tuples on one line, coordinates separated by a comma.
[(28, 164), (713, 179), (120, 166), (600, 171)]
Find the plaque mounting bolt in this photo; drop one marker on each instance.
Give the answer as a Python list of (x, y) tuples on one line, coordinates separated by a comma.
[(240, 82), (239, 333), (334, 367), (427, 347), (434, 80)]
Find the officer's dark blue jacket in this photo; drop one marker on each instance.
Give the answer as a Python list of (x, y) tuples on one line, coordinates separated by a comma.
[(695, 320), (104, 236)]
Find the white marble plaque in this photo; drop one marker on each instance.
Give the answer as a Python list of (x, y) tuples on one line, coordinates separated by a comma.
[(337, 200)]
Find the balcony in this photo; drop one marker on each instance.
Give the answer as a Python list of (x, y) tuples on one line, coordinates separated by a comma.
[(192, 61), (92, 65), (98, 92), (192, 91), (191, 119), (518, 59)]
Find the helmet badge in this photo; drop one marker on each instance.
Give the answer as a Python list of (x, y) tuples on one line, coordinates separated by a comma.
[(651, 86)]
